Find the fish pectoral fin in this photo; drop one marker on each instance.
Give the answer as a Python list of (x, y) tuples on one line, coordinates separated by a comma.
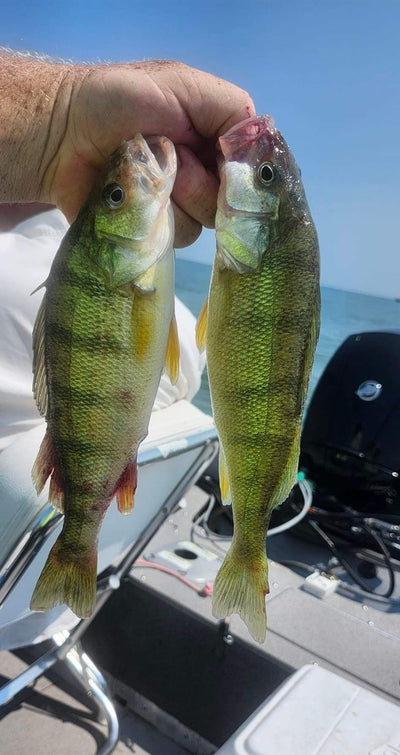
[(39, 364), (172, 355), (144, 283), (223, 479), (143, 289), (126, 486), (201, 327)]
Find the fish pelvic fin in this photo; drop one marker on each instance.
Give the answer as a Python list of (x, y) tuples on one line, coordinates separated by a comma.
[(172, 355), (201, 327), (66, 580), (240, 587), (126, 486)]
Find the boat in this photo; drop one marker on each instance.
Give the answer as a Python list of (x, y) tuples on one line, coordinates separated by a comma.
[(152, 671)]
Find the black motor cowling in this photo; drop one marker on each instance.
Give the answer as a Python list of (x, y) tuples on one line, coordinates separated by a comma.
[(351, 433)]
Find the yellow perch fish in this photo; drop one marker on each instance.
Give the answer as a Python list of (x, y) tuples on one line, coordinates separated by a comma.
[(260, 333), (104, 332)]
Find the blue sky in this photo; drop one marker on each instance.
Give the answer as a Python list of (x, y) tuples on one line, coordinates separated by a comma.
[(327, 70)]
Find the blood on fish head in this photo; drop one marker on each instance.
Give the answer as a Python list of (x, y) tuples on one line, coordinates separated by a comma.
[(241, 139), (261, 187), (258, 167)]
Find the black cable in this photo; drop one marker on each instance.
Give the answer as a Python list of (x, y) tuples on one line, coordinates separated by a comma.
[(297, 565), (349, 569)]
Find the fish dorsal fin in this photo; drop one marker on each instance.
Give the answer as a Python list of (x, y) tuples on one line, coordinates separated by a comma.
[(201, 327), (39, 366), (42, 285), (172, 355)]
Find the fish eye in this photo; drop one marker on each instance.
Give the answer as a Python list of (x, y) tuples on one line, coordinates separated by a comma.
[(114, 196), (266, 173)]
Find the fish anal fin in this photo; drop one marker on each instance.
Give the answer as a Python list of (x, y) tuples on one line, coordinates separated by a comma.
[(201, 327), (56, 492), (67, 580), (39, 365), (240, 587), (290, 475), (126, 486), (44, 463), (223, 479), (172, 355)]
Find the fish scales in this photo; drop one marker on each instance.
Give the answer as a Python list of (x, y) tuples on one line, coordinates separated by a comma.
[(82, 362), (261, 330), (106, 319)]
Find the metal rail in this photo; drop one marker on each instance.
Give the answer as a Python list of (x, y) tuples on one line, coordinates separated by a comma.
[(65, 642)]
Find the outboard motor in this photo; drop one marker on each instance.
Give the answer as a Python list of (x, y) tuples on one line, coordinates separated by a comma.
[(351, 435)]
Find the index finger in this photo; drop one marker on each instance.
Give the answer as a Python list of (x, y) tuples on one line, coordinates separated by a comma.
[(213, 104)]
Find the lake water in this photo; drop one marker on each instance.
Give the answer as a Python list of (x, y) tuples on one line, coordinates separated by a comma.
[(342, 314)]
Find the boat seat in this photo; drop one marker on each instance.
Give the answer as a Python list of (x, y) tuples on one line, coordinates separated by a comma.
[(327, 714)]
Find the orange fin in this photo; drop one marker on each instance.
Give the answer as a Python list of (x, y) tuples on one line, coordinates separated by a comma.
[(64, 580), (172, 356), (240, 587), (56, 492), (44, 467), (44, 463), (126, 486), (201, 327)]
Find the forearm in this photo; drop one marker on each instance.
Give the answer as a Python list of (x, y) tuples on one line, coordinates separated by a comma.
[(34, 101)]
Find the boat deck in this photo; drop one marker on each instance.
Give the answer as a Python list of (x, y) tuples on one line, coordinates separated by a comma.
[(182, 681)]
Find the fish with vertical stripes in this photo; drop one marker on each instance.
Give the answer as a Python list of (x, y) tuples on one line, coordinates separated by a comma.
[(260, 327), (103, 334)]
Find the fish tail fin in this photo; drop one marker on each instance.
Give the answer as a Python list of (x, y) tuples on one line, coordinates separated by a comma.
[(241, 588), (66, 580)]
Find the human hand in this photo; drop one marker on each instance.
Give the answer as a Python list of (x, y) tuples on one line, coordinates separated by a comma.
[(96, 107)]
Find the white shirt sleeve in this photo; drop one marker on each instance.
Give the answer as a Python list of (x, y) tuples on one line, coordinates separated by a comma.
[(26, 254)]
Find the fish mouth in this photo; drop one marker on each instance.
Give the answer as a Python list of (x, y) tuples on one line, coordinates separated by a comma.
[(237, 142), (153, 155)]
